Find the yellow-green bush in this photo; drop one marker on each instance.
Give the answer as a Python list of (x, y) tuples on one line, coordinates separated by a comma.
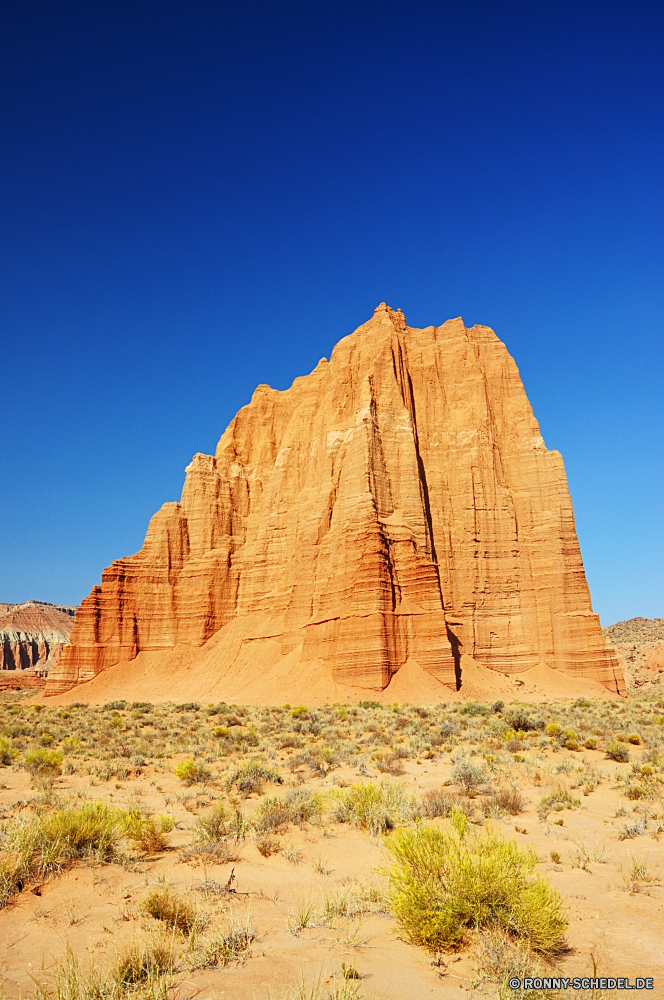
[(43, 763), (376, 808), (193, 771), (7, 752), (444, 882), (558, 799)]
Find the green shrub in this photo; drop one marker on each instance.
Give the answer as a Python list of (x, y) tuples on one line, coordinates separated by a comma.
[(43, 763), (590, 743), (635, 739), (247, 736), (218, 823), (251, 777), (272, 814), (213, 825), (474, 708), (193, 771), (376, 808), (616, 751), (303, 806), (443, 883), (468, 775), (70, 744), (558, 799)]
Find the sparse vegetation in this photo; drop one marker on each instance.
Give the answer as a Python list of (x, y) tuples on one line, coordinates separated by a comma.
[(230, 943), (121, 783)]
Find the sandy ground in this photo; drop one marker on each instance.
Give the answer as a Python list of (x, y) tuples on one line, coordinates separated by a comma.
[(95, 908)]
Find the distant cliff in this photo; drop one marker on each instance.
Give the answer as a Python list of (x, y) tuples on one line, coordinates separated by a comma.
[(32, 637), (639, 644)]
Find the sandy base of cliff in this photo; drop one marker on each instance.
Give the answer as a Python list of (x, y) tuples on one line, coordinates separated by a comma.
[(262, 675)]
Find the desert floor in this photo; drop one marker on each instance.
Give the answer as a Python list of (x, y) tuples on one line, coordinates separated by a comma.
[(306, 913)]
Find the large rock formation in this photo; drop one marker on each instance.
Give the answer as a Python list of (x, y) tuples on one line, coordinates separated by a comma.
[(397, 504), (32, 637)]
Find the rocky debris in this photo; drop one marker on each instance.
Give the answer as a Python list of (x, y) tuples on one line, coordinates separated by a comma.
[(639, 644), (32, 637), (397, 505)]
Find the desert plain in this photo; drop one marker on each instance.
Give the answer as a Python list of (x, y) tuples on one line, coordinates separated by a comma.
[(245, 851)]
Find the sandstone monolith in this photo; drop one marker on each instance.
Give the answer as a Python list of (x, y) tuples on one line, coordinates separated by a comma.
[(397, 504)]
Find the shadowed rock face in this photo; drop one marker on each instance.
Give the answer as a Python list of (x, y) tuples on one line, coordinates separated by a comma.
[(397, 503)]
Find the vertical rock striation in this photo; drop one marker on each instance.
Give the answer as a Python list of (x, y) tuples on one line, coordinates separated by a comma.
[(396, 504)]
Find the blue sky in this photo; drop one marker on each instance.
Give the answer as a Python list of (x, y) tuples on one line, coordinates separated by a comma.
[(197, 198)]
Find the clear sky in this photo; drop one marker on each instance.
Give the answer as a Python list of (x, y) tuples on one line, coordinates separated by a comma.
[(199, 197)]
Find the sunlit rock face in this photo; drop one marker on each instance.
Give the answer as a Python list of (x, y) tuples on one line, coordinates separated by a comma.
[(396, 504)]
